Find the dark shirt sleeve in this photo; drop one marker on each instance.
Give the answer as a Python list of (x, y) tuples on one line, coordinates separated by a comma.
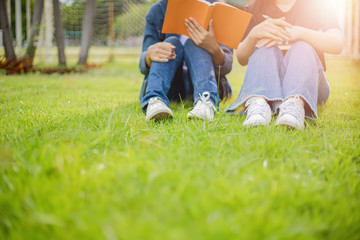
[(150, 37), (228, 61)]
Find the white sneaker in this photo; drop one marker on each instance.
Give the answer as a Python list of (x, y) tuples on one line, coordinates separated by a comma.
[(204, 109), (157, 110), (258, 112), (291, 114)]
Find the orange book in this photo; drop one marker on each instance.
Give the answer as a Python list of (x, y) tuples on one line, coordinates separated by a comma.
[(229, 23)]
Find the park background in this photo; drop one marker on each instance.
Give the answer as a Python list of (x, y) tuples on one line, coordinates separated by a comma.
[(78, 160)]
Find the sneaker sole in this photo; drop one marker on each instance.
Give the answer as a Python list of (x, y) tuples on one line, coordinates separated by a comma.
[(160, 116), (256, 122), (289, 126), (191, 116)]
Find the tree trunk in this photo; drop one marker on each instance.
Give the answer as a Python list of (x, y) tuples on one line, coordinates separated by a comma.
[(87, 28), (18, 26), (59, 33), (35, 28), (8, 5), (7, 37), (111, 30), (28, 20)]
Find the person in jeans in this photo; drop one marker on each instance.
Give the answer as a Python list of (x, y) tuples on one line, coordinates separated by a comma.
[(176, 67), (284, 49)]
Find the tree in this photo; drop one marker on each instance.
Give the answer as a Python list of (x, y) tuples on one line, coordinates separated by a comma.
[(35, 28), (7, 36), (59, 33), (87, 29)]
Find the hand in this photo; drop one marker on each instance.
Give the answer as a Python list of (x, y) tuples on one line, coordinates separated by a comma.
[(295, 33), (160, 52), (267, 42), (201, 37), (274, 29)]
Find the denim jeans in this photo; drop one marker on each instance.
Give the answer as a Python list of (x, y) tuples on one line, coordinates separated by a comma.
[(276, 77), (201, 69)]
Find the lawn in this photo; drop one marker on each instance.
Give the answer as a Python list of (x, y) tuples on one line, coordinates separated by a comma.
[(78, 161)]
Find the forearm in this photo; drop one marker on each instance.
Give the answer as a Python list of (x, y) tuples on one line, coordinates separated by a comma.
[(330, 41), (144, 69), (226, 67), (245, 50), (217, 55)]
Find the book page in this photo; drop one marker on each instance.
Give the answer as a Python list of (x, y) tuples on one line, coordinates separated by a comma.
[(179, 10), (229, 24)]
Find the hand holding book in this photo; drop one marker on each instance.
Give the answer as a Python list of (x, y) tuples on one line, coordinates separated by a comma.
[(205, 39)]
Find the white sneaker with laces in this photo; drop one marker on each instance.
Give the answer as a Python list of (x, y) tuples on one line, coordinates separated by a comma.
[(204, 109), (258, 112), (291, 114), (157, 110)]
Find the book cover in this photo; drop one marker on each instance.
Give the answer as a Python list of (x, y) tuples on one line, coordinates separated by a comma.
[(229, 23)]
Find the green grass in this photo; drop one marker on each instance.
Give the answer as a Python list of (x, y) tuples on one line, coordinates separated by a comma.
[(78, 161)]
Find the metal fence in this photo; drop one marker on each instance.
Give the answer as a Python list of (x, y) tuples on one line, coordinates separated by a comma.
[(117, 22)]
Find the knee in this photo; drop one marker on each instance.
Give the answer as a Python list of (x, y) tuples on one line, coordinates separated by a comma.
[(193, 51), (302, 48), (265, 54), (191, 47), (176, 42)]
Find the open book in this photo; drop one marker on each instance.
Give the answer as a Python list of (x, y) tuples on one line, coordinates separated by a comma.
[(229, 23)]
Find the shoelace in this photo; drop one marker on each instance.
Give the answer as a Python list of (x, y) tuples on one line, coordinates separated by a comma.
[(256, 107), (204, 98), (291, 107)]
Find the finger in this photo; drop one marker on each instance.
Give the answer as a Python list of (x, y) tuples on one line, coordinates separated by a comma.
[(193, 35), (170, 45), (271, 36), (211, 27), (260, 43), (197, 25), (166, 46), (173, 53), (163, 52), (263, 42), (279, 32), (162, 57), (272, 43), (281, 22), (158, 59), (282, 31), (275, 29), (191, 27)]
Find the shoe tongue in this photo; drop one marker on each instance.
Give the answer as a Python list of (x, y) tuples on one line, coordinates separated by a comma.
[(257, 101), (291, 104)]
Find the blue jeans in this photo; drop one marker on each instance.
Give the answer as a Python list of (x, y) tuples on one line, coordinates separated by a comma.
[(276, 77), (200, 66)]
